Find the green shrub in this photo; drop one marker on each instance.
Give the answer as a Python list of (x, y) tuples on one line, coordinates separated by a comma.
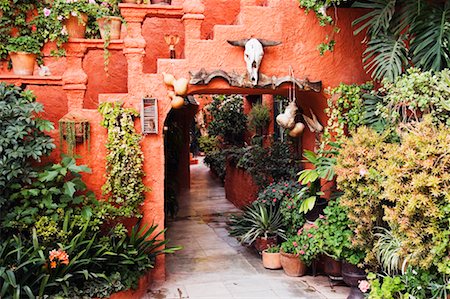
[(216, 161), (258, 118), (22, 139), (228, 119), (208, 144)]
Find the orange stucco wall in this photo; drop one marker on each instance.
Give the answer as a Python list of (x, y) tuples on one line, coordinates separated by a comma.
[(137, 63)]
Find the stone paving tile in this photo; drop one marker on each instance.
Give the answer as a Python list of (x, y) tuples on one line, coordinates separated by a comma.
[(214, 265)]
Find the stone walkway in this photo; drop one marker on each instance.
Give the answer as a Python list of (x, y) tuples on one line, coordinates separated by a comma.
[(215, 266)]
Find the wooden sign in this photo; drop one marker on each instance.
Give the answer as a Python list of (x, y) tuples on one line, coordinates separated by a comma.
[(149, 116)]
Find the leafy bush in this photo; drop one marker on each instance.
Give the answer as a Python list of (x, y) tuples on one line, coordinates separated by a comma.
[(336, 235), (277, 192), (208, 144), (27, 44), (228, 119), (258, 118), (360, 177), (216, 161), (22, 139), (420, 212), (293, 220), (305, 244)]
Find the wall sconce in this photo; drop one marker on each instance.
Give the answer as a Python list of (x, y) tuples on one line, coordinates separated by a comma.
[(171, 41)]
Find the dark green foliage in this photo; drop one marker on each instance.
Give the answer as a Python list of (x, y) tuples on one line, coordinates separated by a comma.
[(228, 119), (258, 220), (27, 44), (208, 144), (404, 33), (216, 161), (22, 139)]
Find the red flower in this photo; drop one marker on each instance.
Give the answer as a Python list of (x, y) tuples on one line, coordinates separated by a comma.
[(310, 235), (33, 28)]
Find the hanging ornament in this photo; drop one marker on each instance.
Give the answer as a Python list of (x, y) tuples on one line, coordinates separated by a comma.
[(297, 130)]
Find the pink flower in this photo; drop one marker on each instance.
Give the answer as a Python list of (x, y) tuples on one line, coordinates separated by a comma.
[(60, 18), (364, 286), (46, 11), (274, 200), (321, 217), (363, 171), (295, 244), (302, 252), (273, 190), (305, 246), (288, 207), (264, 201), (92, 2), (299, 232), (64, 31), (73, 13), (310, 235)]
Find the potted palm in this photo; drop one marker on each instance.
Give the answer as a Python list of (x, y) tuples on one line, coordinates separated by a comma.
[(23, 51), (260, 225)]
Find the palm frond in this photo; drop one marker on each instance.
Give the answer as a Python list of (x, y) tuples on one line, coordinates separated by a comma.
[(430, 42), (378, 19), (386, 57)]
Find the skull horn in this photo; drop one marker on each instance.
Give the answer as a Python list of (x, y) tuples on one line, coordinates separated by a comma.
[(268, 43), (238, 43)]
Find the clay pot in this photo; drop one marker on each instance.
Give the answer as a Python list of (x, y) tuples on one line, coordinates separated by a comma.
[(292, 265), (262, 243), (76, 27), (351, 276), (271, 260), (110, 27), (319, 206), (164, 2), (332, 267), (285, 121), (23, 63), (177, 102)]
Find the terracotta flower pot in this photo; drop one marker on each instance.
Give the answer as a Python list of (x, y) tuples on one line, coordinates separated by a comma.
[(292, 265), (76, 27), (165, 2), (271, 260), (110, 27), (23, 63), (264, 243)]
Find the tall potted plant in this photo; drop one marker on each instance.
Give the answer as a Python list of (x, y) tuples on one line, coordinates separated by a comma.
[(23, 51)]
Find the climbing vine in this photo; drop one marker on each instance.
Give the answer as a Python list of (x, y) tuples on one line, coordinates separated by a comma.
[(124, 160)]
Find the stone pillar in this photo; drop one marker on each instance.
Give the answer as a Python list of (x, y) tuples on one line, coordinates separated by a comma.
[(74, 77), (193, 18), (134, 48)]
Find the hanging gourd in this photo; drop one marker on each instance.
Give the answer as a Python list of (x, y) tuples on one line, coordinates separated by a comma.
[(169, 79), (180, 86), (286, 120), (297, 130), (177, 102)]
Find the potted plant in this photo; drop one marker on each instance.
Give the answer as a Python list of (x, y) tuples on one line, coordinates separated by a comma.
[(70, 17), (109, 20), (290, 257), (271, 258), (260, 225), (23, 51)]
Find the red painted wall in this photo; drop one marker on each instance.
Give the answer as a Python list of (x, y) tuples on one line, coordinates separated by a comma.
[(240, 188)]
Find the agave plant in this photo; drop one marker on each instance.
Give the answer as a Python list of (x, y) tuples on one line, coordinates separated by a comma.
[(258, 220), (404, 33)]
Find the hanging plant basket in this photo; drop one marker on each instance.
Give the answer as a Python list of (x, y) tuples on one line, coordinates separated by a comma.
[(73, 132)]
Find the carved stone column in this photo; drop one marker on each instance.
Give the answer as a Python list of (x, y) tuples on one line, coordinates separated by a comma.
[(193, 18), (134, 47), (74, 77)]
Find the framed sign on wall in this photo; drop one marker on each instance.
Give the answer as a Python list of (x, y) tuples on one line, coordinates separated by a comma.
[(149, 116)]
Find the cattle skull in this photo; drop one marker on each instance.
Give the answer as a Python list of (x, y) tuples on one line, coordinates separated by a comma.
[(253, 54)]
